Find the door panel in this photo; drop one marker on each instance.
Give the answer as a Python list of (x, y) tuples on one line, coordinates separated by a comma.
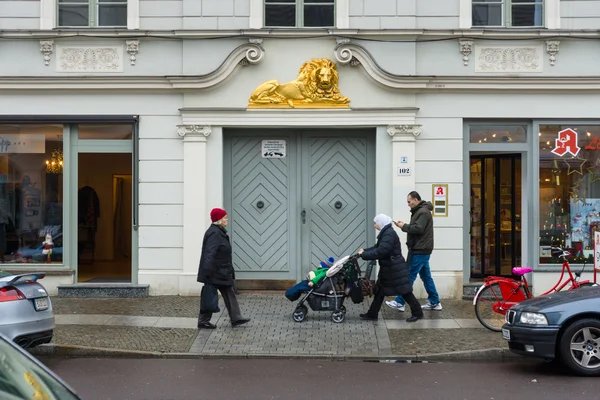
[(334, 196), (495, 214), (321, 170), (261, 197)]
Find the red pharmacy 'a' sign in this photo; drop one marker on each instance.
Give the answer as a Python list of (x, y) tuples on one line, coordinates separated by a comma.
[(566, 143), (439, 191)]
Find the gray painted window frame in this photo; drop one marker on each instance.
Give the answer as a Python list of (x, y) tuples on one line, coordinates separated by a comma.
[(93, 6), (76, 147), (299, 15), (507, 6), (529, 162)]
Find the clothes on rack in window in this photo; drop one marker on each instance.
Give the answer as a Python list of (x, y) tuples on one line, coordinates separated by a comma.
[(88, 208)]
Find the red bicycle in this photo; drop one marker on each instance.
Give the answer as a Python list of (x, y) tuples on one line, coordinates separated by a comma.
[(498, 294)]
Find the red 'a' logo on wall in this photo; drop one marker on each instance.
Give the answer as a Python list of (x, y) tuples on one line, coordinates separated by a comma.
[(566, 143), (439, 191)]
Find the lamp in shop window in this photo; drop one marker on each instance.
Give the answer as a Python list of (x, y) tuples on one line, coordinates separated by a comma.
[(55, 164)]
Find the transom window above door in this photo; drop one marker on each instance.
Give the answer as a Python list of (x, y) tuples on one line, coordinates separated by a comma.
[(299, 13), (92, 13), (508, 13)]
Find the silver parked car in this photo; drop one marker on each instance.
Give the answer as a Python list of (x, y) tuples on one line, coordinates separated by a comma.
[(26, 315)]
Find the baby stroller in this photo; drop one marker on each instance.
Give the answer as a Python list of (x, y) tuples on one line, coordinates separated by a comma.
[(330, 293)]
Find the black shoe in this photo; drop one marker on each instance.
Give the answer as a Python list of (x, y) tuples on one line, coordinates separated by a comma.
[(414, 318), (206, 325), (240, 322), (367, 317)]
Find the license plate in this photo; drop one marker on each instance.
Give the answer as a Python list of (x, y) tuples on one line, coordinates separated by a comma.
[(41, 304), (505, 334)]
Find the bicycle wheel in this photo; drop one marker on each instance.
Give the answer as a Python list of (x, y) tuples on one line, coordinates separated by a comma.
[(494, 301)]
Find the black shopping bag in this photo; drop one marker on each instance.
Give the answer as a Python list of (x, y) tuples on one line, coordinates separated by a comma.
[(209, 299)]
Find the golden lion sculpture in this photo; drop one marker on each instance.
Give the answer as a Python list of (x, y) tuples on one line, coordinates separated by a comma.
[(315, 87)]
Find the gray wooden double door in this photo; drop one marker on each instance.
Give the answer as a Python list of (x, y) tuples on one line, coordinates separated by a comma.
[(288, 213)]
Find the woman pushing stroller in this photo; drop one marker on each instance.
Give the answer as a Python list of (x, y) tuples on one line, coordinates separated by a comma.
[(393, 278)]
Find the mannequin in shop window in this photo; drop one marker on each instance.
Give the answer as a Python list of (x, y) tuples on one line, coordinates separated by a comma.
[(89, 207), (4, 215), (88, 214)]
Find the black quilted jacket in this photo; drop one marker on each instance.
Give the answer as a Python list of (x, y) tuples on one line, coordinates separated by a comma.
[(393, 269)]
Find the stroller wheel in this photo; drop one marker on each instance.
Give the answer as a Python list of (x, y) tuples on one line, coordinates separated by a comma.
[(343, 309), (338, 316), (299, 314)]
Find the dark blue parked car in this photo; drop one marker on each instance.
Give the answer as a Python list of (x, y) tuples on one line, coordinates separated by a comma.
[(563, 326)]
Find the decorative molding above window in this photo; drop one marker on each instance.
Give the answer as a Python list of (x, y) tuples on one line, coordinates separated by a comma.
[(502, 59), (489, 14), (89, 14), (299, 14), (89, 59)]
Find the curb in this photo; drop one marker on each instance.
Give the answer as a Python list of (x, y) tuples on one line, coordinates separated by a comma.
[(489, 355)]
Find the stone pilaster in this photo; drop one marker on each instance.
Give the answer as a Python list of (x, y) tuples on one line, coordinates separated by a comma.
[(403, 149), (195, 216)]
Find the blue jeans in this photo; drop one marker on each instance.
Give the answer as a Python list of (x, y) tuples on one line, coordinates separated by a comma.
[(296, 291), (419, 265)]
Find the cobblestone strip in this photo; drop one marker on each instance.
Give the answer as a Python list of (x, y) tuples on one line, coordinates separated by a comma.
[(272, 331)]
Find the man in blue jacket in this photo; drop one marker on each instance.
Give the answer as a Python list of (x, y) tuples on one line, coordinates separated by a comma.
[(419, 234)]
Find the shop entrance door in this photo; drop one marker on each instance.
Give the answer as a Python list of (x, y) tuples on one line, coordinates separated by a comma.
[(495, 214)]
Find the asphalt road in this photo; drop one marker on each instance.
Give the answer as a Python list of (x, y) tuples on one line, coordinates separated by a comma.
[(165, 379)]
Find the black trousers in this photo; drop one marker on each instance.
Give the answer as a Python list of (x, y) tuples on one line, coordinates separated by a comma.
[(379, 296), (233, 308)]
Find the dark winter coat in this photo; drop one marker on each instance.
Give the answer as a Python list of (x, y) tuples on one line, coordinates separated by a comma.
[(419, 231), (393, 269), (216, 263)]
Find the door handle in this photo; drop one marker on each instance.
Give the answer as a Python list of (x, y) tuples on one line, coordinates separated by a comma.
[(303, 215)]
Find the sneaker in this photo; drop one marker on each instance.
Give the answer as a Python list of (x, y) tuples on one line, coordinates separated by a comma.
[(429, 306), (395, 305)]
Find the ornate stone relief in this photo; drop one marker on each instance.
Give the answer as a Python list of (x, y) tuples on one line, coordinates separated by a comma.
[(194, 130), (46, 47), (552, 50), (508, 59), (466, 47), (343, 53), (254, 54), (394, 130), (90, 59), (133, 47)]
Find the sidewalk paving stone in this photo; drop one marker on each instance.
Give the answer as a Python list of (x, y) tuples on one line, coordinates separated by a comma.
[(168, 324), (433, 341), (126, 337)]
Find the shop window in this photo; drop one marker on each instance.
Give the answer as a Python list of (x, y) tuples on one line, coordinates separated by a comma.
[(569, 190), (498, 134), (105, 132), (31, 193), (299, 13), (508, 13), (94, 13)]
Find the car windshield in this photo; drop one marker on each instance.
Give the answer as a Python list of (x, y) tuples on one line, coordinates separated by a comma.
[(4, 274), (22, 377)]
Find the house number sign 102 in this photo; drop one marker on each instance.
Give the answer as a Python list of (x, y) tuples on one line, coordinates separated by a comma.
[(404, 171)]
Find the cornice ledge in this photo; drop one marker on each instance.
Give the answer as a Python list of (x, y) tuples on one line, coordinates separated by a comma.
[(246, 54), (347, 53)]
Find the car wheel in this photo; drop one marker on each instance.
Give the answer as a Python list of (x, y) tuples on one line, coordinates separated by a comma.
[(580, 347)]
